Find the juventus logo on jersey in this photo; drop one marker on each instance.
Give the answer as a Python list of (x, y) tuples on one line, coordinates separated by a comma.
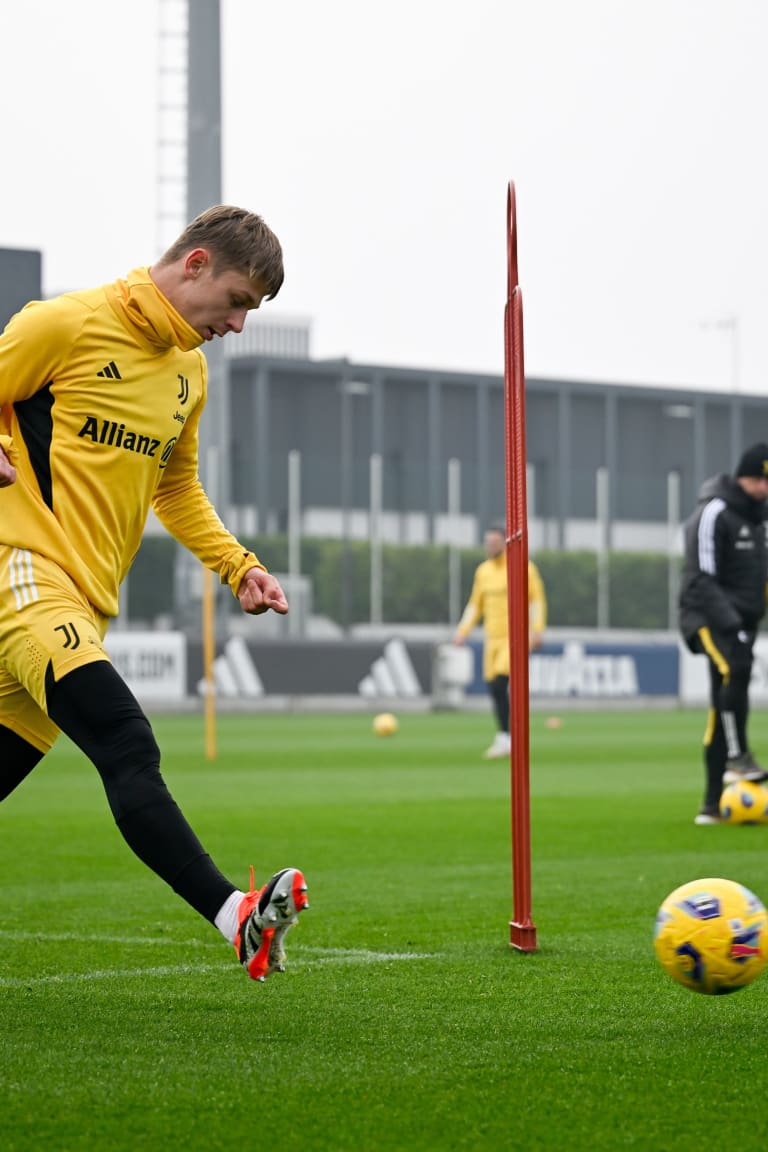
[(71, 635), (183, 395)]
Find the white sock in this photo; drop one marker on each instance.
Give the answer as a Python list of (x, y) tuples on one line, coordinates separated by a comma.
[(226, 917)]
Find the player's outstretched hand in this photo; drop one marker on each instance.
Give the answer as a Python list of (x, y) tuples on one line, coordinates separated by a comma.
[(7, 470), (259, 591)]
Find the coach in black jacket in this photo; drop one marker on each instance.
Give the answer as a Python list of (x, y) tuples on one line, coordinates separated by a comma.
[(722, 600)]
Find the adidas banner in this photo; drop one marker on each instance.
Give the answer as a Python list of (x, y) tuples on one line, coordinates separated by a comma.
[(317, 668)]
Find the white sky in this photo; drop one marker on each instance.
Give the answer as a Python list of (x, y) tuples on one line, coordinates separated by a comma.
[(377, 139)]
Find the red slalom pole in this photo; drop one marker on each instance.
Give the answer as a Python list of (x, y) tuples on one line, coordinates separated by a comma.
[(522, 931)]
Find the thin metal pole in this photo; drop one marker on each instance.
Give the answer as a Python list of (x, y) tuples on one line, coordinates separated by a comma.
[(454, 558), (673, 527), (377, 579), (295, 620), (602, 495)]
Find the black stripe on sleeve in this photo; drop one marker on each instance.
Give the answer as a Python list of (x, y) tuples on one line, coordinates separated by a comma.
[(36, 423)]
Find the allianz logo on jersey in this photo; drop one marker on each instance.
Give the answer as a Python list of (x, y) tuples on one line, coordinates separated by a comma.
[(114, 435), (574, 673)]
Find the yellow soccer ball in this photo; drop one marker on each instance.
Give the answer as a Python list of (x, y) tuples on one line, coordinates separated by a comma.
[(744, 803), (385, 724), (712, 936)]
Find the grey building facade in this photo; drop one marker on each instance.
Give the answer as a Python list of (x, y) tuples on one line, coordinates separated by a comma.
[(20, 280), (607, 464)]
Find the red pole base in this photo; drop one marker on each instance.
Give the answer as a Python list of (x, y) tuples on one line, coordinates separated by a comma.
[(522, 936)]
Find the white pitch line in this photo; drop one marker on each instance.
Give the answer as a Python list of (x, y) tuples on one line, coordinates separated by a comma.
[(131, 941), (110, 974), (321, 956), (98, 938), (365, 956)]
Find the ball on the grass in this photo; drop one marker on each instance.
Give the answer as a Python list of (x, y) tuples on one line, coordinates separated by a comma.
[(385, 724), (744, 803), (712, 936)]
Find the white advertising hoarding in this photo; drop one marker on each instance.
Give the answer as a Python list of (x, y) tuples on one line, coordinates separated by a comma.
[(153, 664)]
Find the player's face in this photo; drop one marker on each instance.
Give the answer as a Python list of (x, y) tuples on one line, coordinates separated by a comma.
[(214, 304), (755, 486), (494, 544)]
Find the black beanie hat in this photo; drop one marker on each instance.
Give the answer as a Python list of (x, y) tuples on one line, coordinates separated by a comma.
[(754, 461)]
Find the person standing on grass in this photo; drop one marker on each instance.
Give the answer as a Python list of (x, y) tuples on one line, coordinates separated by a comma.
[(722, 600), (101, 394), (488, 602)]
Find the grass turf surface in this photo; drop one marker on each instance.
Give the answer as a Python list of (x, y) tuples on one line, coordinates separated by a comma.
[(405, 1021)]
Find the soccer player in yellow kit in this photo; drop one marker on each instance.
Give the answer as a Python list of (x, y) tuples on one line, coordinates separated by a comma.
[(101, 394), (488, 602)]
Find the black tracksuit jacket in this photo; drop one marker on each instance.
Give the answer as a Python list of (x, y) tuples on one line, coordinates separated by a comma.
[(723, 585)]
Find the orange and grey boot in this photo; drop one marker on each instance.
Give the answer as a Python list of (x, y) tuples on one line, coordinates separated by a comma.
[(264, 917)]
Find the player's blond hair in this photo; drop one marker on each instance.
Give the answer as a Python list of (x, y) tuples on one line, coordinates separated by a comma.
[(237, 239)]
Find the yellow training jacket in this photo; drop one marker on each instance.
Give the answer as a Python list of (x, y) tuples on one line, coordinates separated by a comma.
[(488, 602), (101, 394)]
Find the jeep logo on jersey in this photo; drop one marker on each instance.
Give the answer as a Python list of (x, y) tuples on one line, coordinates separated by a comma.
[(114, 435), (167, 451)]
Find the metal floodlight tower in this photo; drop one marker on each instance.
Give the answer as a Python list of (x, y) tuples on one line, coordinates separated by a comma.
[(204, 141), (188, 182)]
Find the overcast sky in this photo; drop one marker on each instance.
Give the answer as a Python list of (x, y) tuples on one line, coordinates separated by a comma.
[(378, 139)]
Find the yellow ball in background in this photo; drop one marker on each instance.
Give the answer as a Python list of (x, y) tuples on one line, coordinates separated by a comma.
[(385, 724), (745, 803)]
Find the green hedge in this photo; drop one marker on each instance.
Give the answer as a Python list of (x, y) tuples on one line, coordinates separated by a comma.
[(415, 582)]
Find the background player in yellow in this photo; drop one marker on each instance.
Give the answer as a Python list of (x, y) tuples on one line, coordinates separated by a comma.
[(101, 394), (488, 602)]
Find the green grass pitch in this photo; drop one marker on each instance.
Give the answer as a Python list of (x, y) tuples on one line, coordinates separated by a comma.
[(404, 1021)]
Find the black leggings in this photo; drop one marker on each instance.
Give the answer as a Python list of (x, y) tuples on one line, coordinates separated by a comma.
[(17, 759), (99, 713), (499, 691), (730, 669)]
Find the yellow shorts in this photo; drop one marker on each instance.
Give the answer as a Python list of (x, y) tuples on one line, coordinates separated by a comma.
[(44, 620), (495, 658)]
